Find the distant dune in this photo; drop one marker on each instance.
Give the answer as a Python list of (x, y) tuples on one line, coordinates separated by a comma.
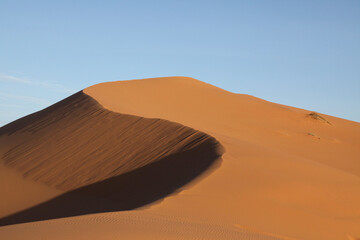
[(176, 158)]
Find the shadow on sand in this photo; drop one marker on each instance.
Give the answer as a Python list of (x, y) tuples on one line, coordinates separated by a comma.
[(128, 191)]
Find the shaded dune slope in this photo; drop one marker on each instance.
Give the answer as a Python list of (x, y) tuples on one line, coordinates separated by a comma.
[(102, 160)]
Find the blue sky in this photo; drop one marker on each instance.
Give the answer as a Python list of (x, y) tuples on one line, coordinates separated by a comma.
[(302, 53)]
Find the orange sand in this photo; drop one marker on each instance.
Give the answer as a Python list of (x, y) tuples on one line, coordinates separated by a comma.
[(284, 174)]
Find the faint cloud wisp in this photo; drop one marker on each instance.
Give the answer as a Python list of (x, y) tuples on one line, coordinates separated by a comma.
[(14, 105), (52, 86), (35, 100)]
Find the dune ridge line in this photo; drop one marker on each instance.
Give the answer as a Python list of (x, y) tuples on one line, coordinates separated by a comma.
[(77, 142)]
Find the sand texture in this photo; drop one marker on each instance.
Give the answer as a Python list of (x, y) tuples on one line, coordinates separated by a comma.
[(176, 158)]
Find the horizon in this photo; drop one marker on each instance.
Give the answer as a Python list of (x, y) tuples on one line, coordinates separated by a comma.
[(301, 54)]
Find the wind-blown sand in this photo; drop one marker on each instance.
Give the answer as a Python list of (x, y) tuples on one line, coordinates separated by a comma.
[(285, 173)]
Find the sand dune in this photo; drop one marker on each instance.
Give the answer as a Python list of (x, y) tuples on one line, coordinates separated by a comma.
[(286, 173), (117, 161)]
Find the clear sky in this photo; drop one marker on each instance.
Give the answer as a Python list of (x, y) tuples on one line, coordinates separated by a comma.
[(303, 53)]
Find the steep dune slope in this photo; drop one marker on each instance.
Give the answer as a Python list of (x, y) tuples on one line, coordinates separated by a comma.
[(104, 161), (76, 143), (285, 174)]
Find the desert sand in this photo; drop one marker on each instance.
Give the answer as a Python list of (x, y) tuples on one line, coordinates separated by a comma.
[(176, 158)]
